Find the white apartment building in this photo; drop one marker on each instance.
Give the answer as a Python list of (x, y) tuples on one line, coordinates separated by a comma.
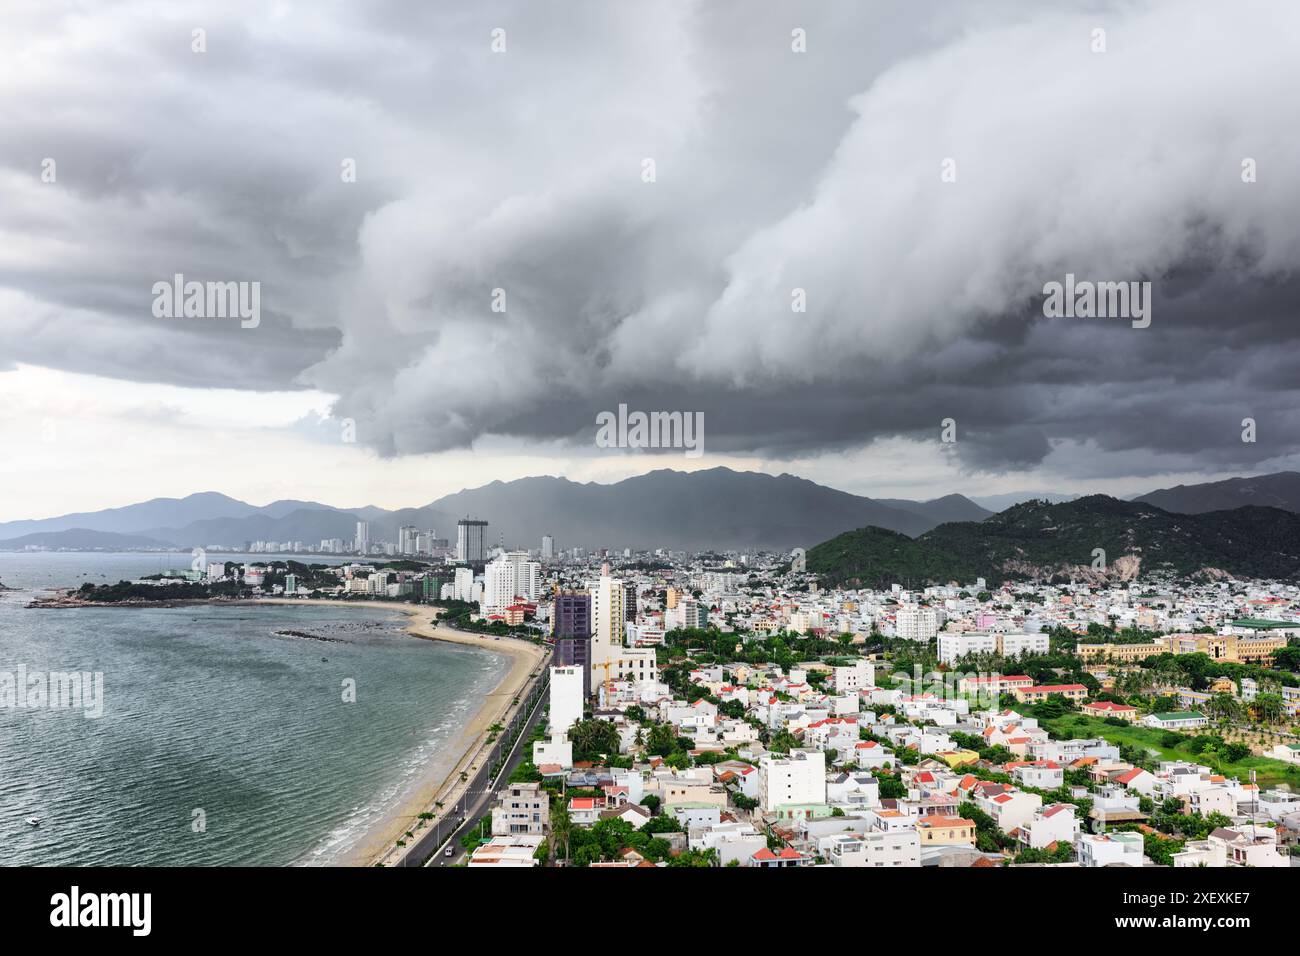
[(509, 576), (464, 585), (914, 622), (1122, 848), (1048, 825), (877, 848), (1013, 645), (608, 621), (521, 808), (566, 698), (498, 585), (1245, 845), (957, 645), (1010, 809), (799, 778), (632, 664), (953, 646), (557, 749), (850, 680), (800, 622)]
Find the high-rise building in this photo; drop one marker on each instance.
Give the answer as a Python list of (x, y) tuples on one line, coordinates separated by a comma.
[(469, 539), (572, 616), (548, 547), (464, 584), (508, 576), (432, 587), (571, 627), (407, 539), (629, 601), (695, 614), (362, 542), (611, 658), (607, 617)]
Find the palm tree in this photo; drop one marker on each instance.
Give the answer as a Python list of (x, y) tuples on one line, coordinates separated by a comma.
[(561, 826)]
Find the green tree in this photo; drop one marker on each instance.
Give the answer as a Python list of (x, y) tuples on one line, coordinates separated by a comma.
[(593, 739)]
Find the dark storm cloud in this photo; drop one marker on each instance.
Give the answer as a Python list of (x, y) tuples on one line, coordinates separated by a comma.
[(775, 171)]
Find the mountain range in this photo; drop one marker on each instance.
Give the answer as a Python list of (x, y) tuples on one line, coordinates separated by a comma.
[(715, 508), (1279, 490)]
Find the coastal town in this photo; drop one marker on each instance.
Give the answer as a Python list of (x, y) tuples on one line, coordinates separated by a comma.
[(726, 709)]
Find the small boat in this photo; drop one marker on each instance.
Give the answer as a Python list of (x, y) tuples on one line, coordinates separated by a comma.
[(34, 821)]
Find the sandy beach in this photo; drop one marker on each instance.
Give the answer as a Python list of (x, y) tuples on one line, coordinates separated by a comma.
[(378, 844)]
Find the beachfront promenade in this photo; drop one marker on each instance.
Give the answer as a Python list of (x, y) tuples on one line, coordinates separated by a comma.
[(474, 800), (467, 791)]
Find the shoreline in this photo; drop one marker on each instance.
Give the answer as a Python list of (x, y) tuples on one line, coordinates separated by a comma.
[(378, 842)]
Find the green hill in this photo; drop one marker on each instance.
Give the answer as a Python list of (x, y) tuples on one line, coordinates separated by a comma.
[(1041, 541)]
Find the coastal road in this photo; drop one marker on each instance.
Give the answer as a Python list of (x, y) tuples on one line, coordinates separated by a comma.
[(476, 802)]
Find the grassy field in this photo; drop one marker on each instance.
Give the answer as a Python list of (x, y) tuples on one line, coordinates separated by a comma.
[(1269, 773)]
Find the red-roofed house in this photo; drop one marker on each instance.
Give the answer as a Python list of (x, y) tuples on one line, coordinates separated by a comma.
[(585, 811), (1106, 708), (786, 856), (995, 684), (1048, 825), (1009, 808), (1138, 780), (870, 754)]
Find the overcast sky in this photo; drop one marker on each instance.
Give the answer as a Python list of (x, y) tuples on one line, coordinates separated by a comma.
[(828, 170)]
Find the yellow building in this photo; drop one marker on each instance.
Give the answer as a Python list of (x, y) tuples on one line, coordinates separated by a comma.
[(1127, 653), (1220, 647), (945, 831), (1229, 647), (1034, 695), (957, 758), (1259, 650)]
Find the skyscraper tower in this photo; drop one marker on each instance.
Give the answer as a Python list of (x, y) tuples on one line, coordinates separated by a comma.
[(469, 539)]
